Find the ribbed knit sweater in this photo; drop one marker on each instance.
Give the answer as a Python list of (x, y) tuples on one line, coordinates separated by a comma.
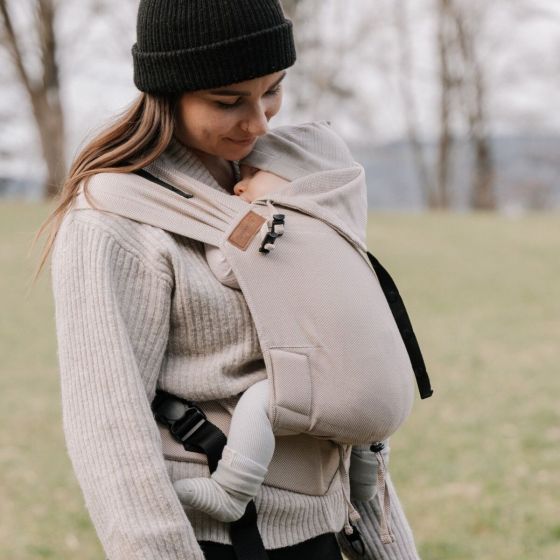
[(137, 308)]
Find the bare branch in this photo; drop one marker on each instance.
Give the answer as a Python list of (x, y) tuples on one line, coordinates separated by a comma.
[(10, 40)]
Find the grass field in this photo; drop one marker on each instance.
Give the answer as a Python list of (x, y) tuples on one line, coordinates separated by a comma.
[(477, 465)]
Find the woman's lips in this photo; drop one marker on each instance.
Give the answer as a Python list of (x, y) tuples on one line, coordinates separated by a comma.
[(243, 142)]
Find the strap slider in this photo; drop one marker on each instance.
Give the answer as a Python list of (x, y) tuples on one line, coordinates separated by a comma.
[(188, 424), (183, 418), (268, 242)]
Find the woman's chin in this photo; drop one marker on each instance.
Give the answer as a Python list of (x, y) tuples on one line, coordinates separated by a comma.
[(237, 151)]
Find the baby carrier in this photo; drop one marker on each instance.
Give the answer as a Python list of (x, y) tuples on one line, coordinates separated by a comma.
[(326, 333)]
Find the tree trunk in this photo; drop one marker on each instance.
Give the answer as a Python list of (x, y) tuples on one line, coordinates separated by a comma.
[(44, 94), (409, 106), (290, 7), (445, 142), (49, 118), (483, 189), (482, 195)]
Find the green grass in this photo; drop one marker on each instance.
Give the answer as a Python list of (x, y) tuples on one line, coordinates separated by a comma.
[(476, 465)]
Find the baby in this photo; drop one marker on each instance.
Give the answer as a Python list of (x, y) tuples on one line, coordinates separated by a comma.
[(279, 157), (254, 183)]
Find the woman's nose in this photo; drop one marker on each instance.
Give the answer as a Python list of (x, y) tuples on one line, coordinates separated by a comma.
[(257, 124)]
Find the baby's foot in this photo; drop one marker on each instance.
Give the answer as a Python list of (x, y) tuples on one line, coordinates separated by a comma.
[(208, 496)]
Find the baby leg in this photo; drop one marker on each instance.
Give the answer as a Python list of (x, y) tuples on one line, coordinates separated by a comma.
[(243, 465)]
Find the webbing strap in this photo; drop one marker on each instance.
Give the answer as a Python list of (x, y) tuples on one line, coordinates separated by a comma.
[(190, 427), (146, 175), (405, 327)]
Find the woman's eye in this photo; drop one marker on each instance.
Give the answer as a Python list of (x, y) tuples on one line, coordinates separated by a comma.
[(227, 105), (275, 91)]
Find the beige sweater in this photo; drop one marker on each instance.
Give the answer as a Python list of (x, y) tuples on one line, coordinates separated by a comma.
[(138, 308)]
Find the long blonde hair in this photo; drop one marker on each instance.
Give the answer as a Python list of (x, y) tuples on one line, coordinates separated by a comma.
[(134, 139)]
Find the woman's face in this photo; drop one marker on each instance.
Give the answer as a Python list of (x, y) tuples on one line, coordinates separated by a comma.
[(226, 121)]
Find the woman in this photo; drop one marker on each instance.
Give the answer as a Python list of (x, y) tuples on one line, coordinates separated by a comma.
[(137, 308)]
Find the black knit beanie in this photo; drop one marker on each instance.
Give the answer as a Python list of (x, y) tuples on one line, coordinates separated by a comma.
[(187, 45)]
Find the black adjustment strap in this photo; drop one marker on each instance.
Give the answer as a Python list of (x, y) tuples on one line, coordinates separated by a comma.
[(398, 310), (245, 536), (190, 427), (146, 175), (210, 440)]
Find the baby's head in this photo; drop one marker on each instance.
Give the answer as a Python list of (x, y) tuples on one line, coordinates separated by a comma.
[(287, 153), (257, 182)]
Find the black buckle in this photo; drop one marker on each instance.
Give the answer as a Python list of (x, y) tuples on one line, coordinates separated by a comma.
[(182, 417), (377, 446), (272, 235), (268, 242), (355, 541)]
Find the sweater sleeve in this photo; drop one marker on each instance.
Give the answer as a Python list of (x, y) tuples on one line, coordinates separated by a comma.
[(404, 547), (112, 321)]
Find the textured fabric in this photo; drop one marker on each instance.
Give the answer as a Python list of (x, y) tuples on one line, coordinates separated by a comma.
[(220, 267), (189, 45), (322, 547), (340, 372), (370, 524), (138, 308), (294, 151)]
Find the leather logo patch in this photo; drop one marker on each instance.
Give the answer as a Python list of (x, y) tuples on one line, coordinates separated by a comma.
[(246, 229)]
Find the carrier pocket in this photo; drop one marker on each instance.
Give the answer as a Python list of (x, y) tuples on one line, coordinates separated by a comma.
[(291, 400)]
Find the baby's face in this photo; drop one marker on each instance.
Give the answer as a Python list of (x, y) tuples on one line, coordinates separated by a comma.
[(255, 183)]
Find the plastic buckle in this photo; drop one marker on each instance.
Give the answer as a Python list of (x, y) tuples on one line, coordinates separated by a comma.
[(183, 418), (186, 426), (268, 242), (278, 222)]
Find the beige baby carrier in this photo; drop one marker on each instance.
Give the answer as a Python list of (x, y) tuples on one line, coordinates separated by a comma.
[(338, 347), (338, 366)]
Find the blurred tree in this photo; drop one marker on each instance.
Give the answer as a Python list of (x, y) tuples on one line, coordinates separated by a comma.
[(409, 102), (473, 90), (447, 82), (329, 42), (44, 90), (49, 44), (462, 99)]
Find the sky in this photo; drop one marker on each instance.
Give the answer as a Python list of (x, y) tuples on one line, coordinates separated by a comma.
[(519, 52)]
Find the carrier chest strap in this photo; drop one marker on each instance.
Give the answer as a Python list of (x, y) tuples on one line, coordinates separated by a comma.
[(190, 427)]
